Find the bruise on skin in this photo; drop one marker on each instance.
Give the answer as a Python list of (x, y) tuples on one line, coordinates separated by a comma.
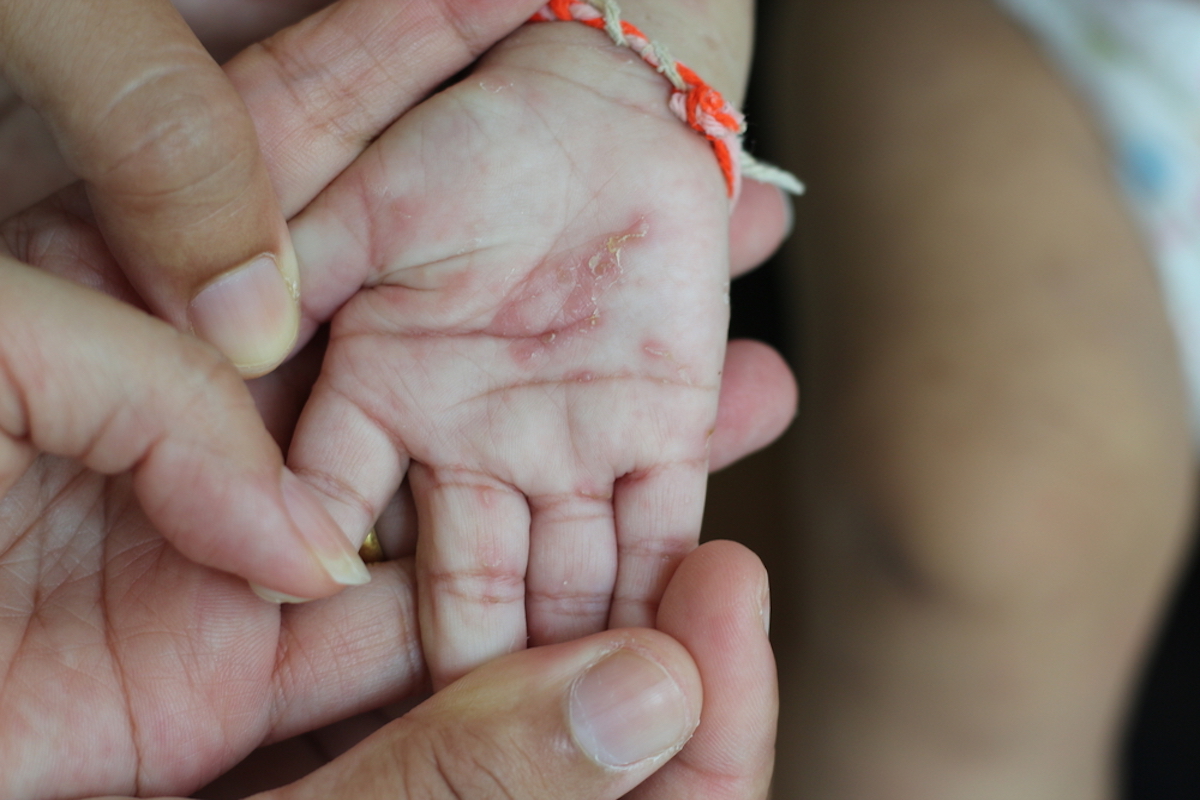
[(563, 297)]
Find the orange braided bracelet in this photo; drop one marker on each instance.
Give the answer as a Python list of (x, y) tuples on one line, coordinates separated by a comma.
[(693, 101)]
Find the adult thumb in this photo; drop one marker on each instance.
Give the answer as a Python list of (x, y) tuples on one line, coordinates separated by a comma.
[(588, 720), (172, 163)]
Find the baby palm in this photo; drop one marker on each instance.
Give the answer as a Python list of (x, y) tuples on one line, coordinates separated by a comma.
[(542, 257)]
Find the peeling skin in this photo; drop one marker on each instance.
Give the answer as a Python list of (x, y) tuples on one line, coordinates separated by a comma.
[(494, 86), (658, 350), (562, 299), (599, 264)]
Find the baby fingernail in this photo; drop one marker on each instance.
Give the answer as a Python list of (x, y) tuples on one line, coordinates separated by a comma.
[(251, 314), (626, 709)]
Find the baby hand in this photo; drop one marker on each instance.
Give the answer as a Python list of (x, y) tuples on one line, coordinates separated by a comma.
[(542, 252)]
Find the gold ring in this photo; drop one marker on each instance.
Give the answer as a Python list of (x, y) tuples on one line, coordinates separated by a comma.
[(371, 551)]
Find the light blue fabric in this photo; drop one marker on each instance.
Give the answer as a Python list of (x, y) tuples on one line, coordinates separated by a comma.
[(1138, 62)]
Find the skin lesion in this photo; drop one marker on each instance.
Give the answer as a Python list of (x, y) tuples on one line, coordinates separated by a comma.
[(563, 298), (602, 262), (660, 352)]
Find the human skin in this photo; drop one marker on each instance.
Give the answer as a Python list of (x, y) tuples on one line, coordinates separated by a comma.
[(595, 490), (62, 236), (546, 384), (152, 607), (163, 618), (108, 624), (144, 115), (712, 607), (33, 168), (997, 460), (66, 248)]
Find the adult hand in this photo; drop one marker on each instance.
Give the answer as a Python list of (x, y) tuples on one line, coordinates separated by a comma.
[(517, 727), (136, 474), (32, 168), (171, 159)]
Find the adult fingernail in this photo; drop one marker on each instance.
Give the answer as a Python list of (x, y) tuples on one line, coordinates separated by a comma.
[(278, 598), (325, 540), (346, 568), (626, 709), (251, 314)]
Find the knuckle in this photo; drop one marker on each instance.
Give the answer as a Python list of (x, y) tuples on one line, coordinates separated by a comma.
[(468, 23), (171, 134), (329, 98), (657, 550), (207, 377), (569, 602), (53, 237), (483, 586), (634, 611), (458, 764), (339, 489), (18, 236)]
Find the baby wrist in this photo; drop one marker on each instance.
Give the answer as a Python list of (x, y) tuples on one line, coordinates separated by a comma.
[(692, 100)]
